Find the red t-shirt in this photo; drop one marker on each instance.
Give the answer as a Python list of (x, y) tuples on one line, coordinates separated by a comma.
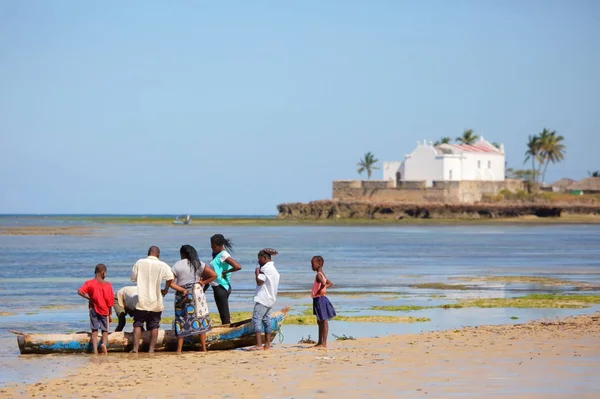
[(101, 295)]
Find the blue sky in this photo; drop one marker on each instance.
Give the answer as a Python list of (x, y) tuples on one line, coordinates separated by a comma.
[(233, 107)]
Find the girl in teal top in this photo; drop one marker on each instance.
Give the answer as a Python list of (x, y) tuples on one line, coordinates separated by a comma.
[(223, 265)]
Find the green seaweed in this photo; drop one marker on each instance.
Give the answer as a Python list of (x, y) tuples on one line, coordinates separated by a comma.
[(402, 308), (215, 319), (440, 286), (535, 301)]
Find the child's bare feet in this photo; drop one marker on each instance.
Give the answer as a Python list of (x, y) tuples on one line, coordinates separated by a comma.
[(255, 348), (320, 346), (104, 349)]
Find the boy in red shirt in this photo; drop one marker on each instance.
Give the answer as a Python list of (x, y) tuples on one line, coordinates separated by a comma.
[(100, 295)]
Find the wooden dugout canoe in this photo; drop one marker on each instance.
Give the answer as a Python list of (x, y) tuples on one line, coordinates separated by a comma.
[(237, 335)]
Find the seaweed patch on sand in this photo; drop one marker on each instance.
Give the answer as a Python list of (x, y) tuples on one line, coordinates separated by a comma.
[(402, 308), (534, 301), (441, 286), (307, 319), (215, 319), (382, 319), (46, 231), (56, 306)]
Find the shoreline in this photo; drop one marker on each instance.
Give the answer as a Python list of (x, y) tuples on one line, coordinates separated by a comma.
[(479, 362), (88, 229)]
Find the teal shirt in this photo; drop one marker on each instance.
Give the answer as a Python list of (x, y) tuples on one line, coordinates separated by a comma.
[(219, 265)]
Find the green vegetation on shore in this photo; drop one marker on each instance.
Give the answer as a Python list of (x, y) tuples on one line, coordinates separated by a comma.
[(535, 301), (520, 279), (274, 221), (399, 308), (528, 301), (214, 318), (440, 286)]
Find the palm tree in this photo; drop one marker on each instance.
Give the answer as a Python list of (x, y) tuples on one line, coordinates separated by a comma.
[(467, 137), (552, 149), (443, 140), (595, 173), (533, 153), (497, 145), (367, 164)]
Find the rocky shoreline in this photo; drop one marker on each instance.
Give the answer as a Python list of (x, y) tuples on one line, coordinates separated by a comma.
[(332, 210)]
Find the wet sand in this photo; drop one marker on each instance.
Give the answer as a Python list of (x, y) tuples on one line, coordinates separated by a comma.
[(542, 359)]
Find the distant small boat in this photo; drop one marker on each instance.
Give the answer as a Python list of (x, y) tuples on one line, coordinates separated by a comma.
[(236, 335), (183, 219)]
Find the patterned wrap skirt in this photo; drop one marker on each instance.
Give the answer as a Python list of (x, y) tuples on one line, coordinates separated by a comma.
[(191, 312)]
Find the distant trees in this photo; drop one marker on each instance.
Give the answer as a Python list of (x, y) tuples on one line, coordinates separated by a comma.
[(542, 149), (595, 173), (367, 164), (443, 140), (468, 137)]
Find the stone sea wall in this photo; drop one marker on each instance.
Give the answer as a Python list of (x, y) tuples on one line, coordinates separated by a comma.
[(440, 191), (332, 210)]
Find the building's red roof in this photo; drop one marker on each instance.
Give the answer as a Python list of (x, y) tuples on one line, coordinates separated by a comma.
[(473, 148)]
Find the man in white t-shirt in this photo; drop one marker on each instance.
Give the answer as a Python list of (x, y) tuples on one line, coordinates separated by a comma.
[(267, 284), (149, 273)]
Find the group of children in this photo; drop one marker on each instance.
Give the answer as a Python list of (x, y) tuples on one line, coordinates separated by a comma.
[(100, 295)]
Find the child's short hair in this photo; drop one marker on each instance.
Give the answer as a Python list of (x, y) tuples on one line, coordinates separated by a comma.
[(268, 252), (100, 267), (319, 259)]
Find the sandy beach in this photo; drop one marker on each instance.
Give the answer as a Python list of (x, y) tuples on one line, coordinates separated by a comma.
[(541, 359)]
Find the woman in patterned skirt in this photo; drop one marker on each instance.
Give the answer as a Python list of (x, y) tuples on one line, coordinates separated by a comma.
[(191, 310)]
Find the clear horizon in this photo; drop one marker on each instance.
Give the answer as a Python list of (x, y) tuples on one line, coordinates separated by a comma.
[(145, 107)]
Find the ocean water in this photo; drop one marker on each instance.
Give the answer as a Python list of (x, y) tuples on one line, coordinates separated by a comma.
[(369, 266)]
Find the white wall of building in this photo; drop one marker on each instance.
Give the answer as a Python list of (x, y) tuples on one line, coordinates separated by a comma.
[(423, 164), (483, 166), (452, 167), (427, 164), (390, 169)]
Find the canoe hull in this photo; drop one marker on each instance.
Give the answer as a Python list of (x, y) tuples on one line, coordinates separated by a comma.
[(237, 335)]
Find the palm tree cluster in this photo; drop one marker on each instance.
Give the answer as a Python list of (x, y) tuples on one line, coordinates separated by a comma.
[(367, 164), (544, 148), (468, 137)]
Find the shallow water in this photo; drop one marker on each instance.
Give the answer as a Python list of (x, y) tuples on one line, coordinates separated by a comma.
[(39, 273)]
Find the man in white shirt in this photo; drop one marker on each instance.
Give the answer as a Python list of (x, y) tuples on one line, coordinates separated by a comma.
[(267, 284), (148, 273), (125, 303)]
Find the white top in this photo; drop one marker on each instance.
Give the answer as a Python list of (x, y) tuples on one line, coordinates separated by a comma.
[(184, 273), (266, 293), (127, 297), (149, 273)]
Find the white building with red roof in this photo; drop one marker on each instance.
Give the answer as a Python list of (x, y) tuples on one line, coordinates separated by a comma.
[(449, 162)]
